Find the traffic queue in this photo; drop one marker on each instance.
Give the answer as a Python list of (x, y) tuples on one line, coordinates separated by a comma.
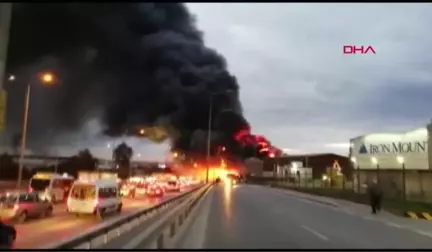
[(154, 186), (92, 193)]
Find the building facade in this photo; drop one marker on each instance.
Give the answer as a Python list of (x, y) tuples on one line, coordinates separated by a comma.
[(389, 151), (318, 163), (398, 161)]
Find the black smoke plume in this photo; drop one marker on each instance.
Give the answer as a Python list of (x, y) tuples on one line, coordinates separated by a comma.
[(131, 65)]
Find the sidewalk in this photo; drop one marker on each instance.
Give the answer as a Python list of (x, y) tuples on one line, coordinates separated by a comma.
[(420, 226)]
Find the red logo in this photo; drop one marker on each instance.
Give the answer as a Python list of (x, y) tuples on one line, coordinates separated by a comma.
[(352, 49)]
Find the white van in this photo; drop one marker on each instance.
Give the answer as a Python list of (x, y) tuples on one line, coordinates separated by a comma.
[(97, 197), (51, 186)]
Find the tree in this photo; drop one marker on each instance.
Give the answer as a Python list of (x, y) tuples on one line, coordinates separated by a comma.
[(122, 155), (8, 168), (84, 160)]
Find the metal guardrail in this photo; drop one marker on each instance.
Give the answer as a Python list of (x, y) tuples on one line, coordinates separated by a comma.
[(120, 226), (167, 233)]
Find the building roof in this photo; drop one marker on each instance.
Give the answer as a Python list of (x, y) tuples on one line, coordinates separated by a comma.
[(314, 155), (392, 132)]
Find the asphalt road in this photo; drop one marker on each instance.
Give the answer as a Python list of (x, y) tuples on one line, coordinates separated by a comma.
[(39, 233), (255, 217)]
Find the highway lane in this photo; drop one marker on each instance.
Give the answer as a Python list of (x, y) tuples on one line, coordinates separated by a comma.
[(38, 233), (255, 217)]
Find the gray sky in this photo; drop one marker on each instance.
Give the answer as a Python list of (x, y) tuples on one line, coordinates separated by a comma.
[(297, 87)]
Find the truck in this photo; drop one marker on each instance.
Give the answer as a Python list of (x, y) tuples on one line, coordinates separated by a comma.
[(97, 175)]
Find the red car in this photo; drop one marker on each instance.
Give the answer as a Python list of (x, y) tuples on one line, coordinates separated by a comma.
[(155, 191)]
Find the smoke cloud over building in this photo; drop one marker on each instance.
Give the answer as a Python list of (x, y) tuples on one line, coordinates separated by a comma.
[(133, 65)]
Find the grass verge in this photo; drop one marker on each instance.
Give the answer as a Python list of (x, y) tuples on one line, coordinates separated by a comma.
[(395, 206)]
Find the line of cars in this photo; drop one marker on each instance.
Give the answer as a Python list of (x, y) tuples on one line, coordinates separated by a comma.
[(151, 187), (91, 194)]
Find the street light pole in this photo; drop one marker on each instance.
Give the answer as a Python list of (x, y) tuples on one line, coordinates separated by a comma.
[(24, 134), (375, 162), (209, 138), (46, 78), (404, 185), (210, 113), (401, 161)]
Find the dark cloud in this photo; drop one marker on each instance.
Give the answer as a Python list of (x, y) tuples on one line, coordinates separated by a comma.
[(298, 87), (131, 64), (398, 102)]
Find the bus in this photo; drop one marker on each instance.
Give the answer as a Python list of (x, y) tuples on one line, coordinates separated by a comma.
[(53, 187)]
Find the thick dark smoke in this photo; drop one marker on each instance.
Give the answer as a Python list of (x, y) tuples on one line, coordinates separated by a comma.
[(132, 65)]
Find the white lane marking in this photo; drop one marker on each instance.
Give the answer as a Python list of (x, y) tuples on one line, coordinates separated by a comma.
[(349, 212), (423, 233), (277, 210), (321, 236), (391, 224), (370, 218)]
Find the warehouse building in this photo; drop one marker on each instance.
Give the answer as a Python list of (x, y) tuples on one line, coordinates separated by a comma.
[(313, 165), (393, 158)]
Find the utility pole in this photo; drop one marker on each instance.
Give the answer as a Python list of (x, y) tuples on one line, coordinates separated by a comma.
[(210, 115)]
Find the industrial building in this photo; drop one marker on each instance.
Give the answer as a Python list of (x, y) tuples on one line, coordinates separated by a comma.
[(391, 150), (314, 164), (396, 160)]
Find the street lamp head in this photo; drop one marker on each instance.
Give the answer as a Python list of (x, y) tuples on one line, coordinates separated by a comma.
[(400, 159), (294, 167), (47, 78), (374, 160)]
